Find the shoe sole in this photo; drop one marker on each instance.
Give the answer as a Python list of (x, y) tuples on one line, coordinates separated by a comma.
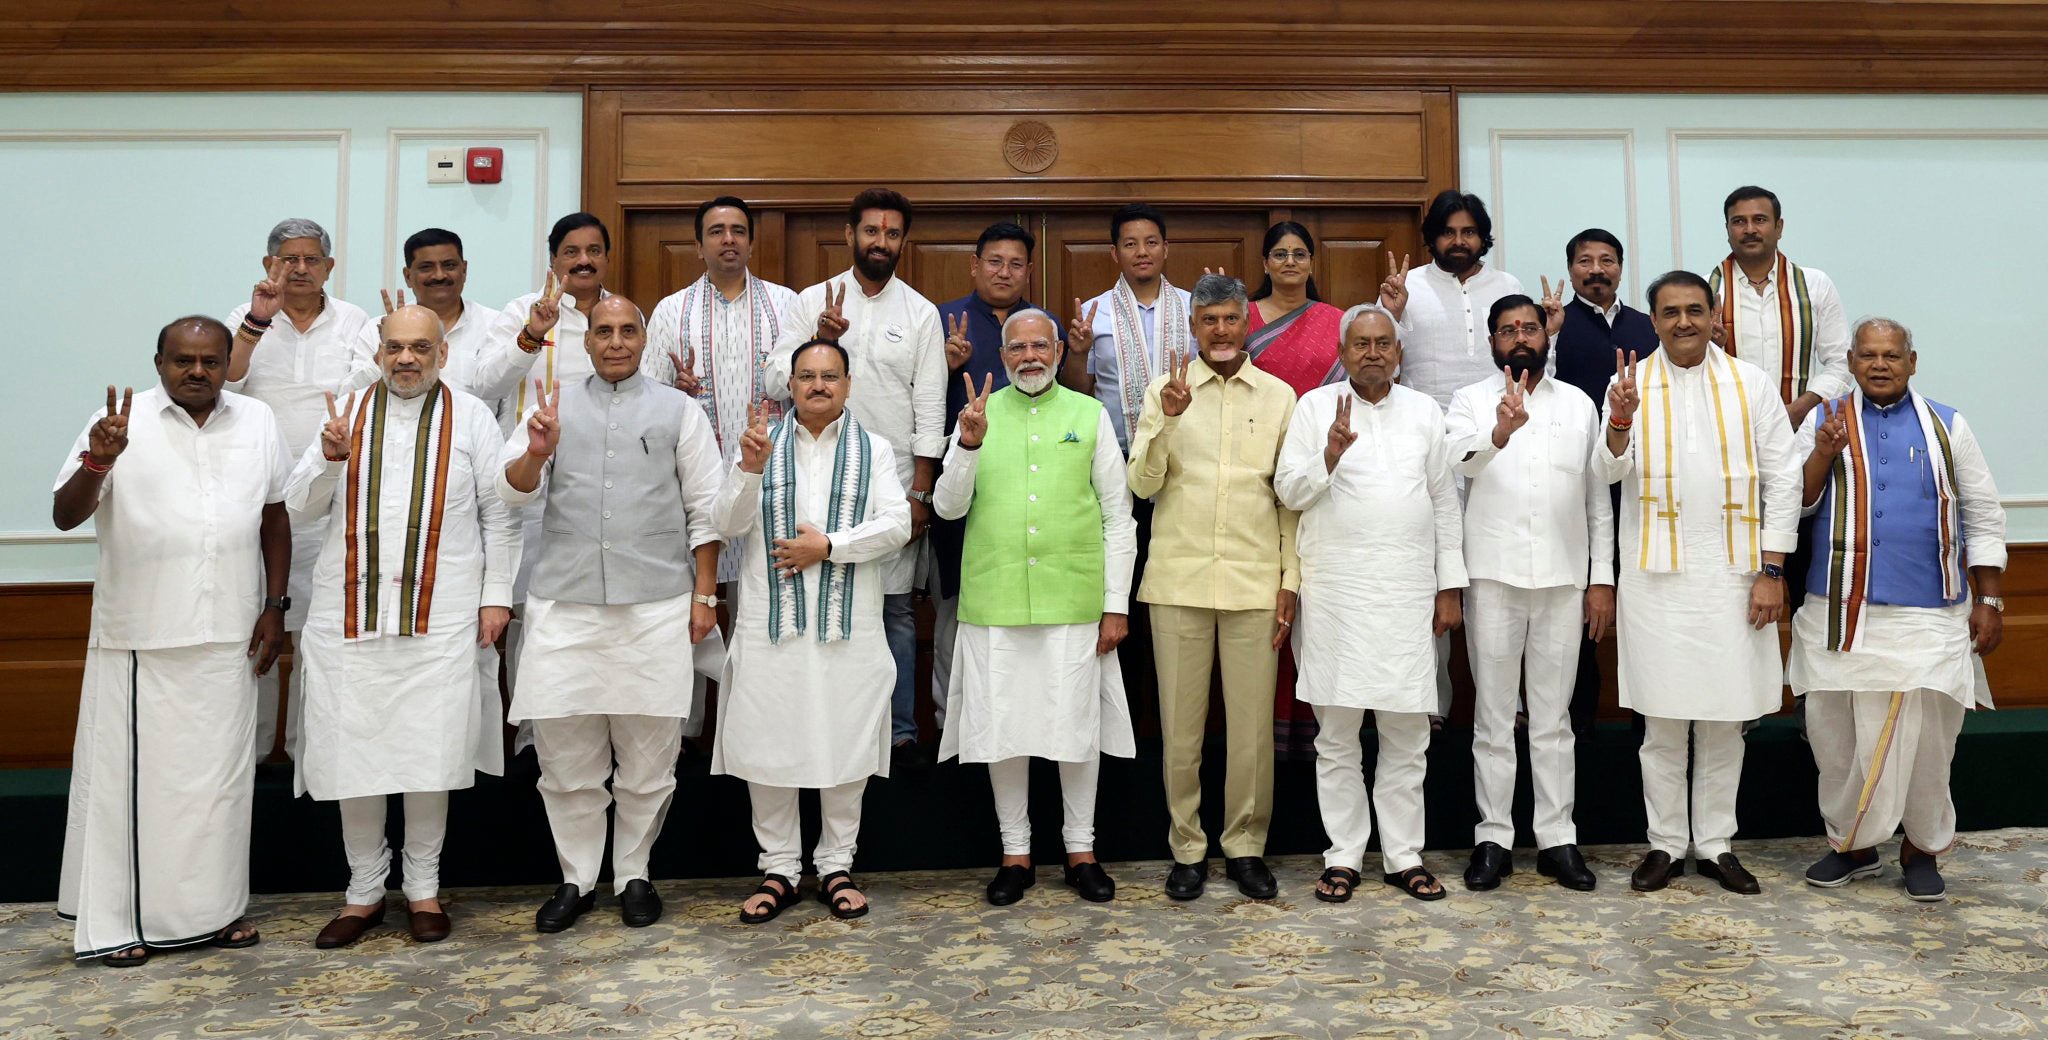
[(1935, 897), (1872, 870)]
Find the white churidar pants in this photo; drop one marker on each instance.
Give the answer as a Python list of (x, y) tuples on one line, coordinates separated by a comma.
[(1011, 779), (369, 856)]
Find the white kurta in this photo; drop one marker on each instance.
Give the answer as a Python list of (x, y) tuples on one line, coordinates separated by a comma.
[(802, 712), (899, 378), (386, 713), (1042, 690), (730, 345), (1443, 329), (1686, 647), (293, 372), (1759, 339), (1379, 538), (156, 843)]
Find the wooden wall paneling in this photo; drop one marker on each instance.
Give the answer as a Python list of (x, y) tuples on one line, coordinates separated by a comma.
[(934, 261), (1610, 45), (1079, 264)]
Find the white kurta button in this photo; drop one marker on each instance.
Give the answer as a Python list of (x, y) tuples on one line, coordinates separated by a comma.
[(1033, 561), (606, 545), (607, 514), (1034, 437), (1034, 467), (1034, 411), (607, 483), (615, 399), (1031, 530), (609, 454), (615, 426), (1033, 498)]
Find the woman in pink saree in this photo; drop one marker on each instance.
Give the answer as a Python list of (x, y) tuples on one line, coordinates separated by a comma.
[(1293, 335)]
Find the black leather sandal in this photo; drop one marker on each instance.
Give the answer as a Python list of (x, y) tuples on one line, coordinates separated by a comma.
[(1415, 881), (1342, 880), (834, 896), (785, 897)]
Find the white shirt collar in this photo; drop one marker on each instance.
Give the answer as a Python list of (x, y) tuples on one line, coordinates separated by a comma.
[(1610, 313)]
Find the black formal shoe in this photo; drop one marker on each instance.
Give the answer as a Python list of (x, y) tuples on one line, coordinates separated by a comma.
[(1489, 864), (562, 909), (341, 931), (1729, 871), (639, 904), (1564, 863), (1655, 871), (1089, 879), (1185, 880), (1009, 884), (1252, 877)]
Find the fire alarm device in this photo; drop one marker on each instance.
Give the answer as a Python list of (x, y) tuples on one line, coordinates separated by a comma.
[(486, 165)]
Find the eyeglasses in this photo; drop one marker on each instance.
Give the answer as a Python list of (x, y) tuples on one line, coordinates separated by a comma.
[(997, 264), (1281, 256), (1524, 329), (301, 261)]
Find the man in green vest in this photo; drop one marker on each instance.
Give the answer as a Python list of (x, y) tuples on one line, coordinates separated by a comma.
[(1044, 593)]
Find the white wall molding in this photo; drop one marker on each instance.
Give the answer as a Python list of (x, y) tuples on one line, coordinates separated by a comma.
[(340, 139), (78, 537), (1498, 203), (1677, 136), (390, 279)]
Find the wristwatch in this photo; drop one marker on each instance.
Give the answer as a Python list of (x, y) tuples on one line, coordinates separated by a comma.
[(921, 496), (709, 601), (1772, 570), (1996, 603), (282, 603)]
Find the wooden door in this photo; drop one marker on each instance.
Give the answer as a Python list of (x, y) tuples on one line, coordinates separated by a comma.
[(1077, 263), (661, 253)]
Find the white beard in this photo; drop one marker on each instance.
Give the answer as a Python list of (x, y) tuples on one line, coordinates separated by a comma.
[(1033, 384), (425, 385)]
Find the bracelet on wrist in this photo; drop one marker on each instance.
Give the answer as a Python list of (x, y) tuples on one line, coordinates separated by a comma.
[(261, 323), (85, 459), (529, 342), (1620, 426)]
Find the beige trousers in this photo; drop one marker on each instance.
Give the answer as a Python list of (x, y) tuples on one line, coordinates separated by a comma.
[(1186, 643)]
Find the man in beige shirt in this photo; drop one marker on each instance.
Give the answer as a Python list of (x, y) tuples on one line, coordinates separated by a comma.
[(1221, 579)]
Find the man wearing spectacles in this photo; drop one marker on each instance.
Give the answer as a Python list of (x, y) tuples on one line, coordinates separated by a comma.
[(1539, 540), (293, 346), (1002, 270)]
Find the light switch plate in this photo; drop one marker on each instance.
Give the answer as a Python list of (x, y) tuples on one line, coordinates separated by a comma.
[(444, 166)]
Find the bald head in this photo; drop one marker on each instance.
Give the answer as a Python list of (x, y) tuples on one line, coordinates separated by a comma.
[(617, 337), (411, 349)]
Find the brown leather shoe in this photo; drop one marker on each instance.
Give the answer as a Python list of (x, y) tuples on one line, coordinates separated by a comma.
[(1655, 871), (347, 928), (428, 925), (1732, 875)]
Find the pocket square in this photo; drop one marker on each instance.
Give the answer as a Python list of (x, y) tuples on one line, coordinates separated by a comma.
[(1070, 438)]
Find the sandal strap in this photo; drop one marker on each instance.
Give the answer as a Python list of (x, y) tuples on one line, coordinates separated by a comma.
[(845, 882), (1416, 879)]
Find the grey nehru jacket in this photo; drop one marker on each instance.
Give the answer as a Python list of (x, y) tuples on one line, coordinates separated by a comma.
[(629, 493)]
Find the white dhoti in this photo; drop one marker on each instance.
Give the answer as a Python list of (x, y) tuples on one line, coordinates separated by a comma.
[(1397, 779), (1509, 630), (1883, 720), (396, 714), (605, 684), (1037, 691), (156, 843)]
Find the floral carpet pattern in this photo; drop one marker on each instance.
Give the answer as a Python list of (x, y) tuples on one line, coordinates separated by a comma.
[(934, 960)]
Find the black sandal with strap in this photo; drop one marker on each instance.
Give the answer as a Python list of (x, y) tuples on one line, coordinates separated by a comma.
[(1414, 880), (1342, 880), (785, 897), (225, 937), (834, 896), (132, 957)]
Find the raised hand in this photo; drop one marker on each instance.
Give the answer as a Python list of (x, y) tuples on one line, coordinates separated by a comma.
[(1081, 327), (334, 439), (1175, 396), (959, 349), (795, 555), (754, 442), (544, 427), (546, 309), (1394, 288), (389, 307), (1341, 437), (1831, 434), (1718, 331), (973, 422), (1207, 271), (686, 371), (1513, 411), (109, 436), (832, 322), (268, 294), (1553, 306), (1621, 395)]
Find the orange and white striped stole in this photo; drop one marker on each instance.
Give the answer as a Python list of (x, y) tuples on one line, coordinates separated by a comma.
[(363, 528)]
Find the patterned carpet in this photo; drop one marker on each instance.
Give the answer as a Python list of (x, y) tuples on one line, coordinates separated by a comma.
[(933, 960)]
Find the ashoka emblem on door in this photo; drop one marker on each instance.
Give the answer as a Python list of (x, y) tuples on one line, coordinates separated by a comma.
[(1030, 147)]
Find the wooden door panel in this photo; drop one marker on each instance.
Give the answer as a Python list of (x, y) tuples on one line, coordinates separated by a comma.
[(661, 253), (1078, 262), (1352, 245)]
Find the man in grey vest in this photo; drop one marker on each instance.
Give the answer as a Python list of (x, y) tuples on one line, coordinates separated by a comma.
[(628, 467)]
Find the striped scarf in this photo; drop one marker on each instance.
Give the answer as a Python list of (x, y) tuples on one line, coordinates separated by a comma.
[(1657, 456), (362, 523), (852, 460), (1795, 321), (733, 368), (1847, 561), (1134, 362)]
